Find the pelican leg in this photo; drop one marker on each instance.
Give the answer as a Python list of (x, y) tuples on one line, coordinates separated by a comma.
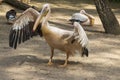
[(50, 60), (66, 61)]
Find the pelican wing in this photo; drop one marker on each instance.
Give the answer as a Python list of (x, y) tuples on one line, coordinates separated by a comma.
[(22, 27), (78, 35)]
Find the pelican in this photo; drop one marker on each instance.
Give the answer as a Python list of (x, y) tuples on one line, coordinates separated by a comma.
[(83, 18), (21, 30), (64, 40), (11, 16)]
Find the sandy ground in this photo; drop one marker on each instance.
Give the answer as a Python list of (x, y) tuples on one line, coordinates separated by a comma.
[(29, 60)]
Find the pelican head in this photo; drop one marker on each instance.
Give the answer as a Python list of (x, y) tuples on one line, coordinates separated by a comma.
[(82, 11), (45, 10)]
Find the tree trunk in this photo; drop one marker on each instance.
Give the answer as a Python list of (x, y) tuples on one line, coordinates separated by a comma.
[(0, 1), (19, 4), (109, 21)]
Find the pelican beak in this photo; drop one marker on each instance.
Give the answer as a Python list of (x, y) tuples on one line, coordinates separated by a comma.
[(40, 17), (38, 20)]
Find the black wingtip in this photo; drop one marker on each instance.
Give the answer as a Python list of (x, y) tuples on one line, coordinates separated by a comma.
[(73, 41), (16, 39), (18, 36), (39, 30), (85, 52), (12, 37), (72, 20)]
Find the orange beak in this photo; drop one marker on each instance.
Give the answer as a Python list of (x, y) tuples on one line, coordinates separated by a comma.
[(42, 14), (37, 22)]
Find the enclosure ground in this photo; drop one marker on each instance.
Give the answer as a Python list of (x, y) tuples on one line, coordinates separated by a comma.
[(29, 60)]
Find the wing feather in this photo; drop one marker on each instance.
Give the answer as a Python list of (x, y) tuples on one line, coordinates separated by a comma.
[(22, 28), (78, 35), (20, 36), (82, 37), (12, 37), (16, 38)]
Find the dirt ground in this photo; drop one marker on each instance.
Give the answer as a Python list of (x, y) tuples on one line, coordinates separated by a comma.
[(29, 60)]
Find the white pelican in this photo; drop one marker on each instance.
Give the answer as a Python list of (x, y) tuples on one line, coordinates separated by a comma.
[(83, 18), (64, 40), (22, 27)]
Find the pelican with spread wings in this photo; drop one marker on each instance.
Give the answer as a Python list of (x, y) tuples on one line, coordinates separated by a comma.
[(64, 40)]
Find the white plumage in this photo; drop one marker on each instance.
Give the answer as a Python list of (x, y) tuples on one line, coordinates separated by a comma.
[(79, 17), (27, 16)]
